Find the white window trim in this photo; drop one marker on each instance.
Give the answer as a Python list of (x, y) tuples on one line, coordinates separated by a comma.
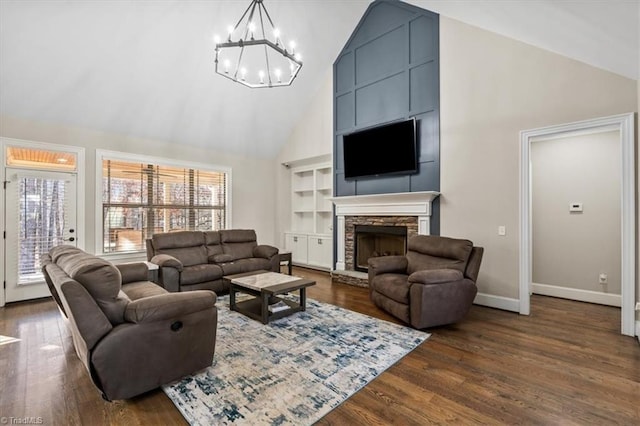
[(124, 156)]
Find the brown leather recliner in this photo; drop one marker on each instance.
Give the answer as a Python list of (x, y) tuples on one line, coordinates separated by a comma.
[(434, 284)]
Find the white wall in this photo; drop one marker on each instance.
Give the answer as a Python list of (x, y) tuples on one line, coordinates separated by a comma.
[(253, 192), (310, 140), (491, 88), (571, 249)]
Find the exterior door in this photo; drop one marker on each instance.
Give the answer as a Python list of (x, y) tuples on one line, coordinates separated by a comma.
[(40, 212)]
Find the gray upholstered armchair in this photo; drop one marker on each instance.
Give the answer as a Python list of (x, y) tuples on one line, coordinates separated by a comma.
[(434, 284)]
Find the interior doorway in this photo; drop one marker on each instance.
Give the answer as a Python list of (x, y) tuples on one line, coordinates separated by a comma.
[(575, 203), (624, 125), (40, 211)]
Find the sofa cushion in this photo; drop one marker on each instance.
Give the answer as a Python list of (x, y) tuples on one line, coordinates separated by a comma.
[(100, 278), (426, 252), (238, 235), (141, 289), (239, 250), (245, 265), (200, 273), (188, 256), (172, 240), (212, 241), (393, 286), (220, 258)]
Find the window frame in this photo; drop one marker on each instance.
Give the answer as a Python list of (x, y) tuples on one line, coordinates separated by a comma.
[(102, 155)]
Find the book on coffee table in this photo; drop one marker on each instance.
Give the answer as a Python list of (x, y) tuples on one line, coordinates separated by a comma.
[(280, 306)]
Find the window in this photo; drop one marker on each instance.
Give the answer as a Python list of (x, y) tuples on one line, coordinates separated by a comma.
[(140, 198)]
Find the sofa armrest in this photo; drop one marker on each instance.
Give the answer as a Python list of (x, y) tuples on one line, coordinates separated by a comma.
[(435, 276), (166, 261), (385, 264), (265, 251), (169, 306), (132, 272)]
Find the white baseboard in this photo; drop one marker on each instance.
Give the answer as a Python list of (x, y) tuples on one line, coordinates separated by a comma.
[(577, 294), (498, 302)]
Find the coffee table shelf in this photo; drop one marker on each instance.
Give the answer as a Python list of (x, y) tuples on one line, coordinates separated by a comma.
[(253, 308)]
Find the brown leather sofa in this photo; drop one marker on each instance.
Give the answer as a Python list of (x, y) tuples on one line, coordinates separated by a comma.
[(131, 335), (434, 284), (195, 260)]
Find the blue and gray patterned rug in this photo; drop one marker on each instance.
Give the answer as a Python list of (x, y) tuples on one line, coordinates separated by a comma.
[(292, 371)]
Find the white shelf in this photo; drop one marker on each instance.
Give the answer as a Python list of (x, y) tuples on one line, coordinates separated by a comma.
[(312, 215)]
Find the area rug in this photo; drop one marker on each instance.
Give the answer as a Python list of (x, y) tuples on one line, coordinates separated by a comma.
[(292, 371)]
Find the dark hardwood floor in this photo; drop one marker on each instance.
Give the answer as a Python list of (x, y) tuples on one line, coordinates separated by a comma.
[(565, 364)]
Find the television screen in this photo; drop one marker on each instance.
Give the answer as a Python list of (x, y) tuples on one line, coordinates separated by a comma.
[(382, 150)]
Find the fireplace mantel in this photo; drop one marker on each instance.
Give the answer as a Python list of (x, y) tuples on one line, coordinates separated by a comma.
[(397, 204)]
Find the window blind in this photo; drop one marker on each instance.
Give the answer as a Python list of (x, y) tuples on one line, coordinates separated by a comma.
[(140, 199)]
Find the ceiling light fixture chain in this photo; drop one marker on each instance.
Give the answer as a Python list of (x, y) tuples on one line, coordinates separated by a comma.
[(255, 67)]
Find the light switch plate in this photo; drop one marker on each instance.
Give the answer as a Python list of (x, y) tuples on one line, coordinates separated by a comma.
[(502, 230)]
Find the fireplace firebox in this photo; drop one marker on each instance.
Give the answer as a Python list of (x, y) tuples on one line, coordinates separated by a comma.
[(374, 241)]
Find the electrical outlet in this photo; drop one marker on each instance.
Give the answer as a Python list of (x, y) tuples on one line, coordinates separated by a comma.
[(603, 278)]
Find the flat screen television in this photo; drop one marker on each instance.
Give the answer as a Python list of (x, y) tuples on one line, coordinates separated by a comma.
[(381, 150)]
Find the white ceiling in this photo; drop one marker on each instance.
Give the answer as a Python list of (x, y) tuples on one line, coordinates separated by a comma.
[(145, 69)]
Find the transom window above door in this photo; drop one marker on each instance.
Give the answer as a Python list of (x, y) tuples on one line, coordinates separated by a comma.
[(34, 158)]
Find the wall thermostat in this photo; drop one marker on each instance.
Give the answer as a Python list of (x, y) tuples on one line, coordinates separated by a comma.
[(575, 207)]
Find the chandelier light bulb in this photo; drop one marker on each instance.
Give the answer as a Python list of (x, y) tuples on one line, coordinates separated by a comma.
[(253, 52)]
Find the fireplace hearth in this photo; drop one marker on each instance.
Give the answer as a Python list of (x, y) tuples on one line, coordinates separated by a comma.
[(375, 241)]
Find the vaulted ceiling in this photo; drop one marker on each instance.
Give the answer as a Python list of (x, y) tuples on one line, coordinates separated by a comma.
[(145, 69)]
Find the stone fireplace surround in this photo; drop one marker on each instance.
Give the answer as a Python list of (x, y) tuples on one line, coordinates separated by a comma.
[(408, 222), (410, 209)]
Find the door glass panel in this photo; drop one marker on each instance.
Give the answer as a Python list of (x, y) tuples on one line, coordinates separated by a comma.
[(43, 223)]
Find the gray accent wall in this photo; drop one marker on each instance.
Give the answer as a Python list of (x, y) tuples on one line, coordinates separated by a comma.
[(389, 71)]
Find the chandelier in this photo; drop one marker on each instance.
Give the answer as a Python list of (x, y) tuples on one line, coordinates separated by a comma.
[(250, 58)]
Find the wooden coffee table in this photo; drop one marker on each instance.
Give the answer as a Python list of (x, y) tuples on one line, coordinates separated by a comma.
[(265, 286)]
